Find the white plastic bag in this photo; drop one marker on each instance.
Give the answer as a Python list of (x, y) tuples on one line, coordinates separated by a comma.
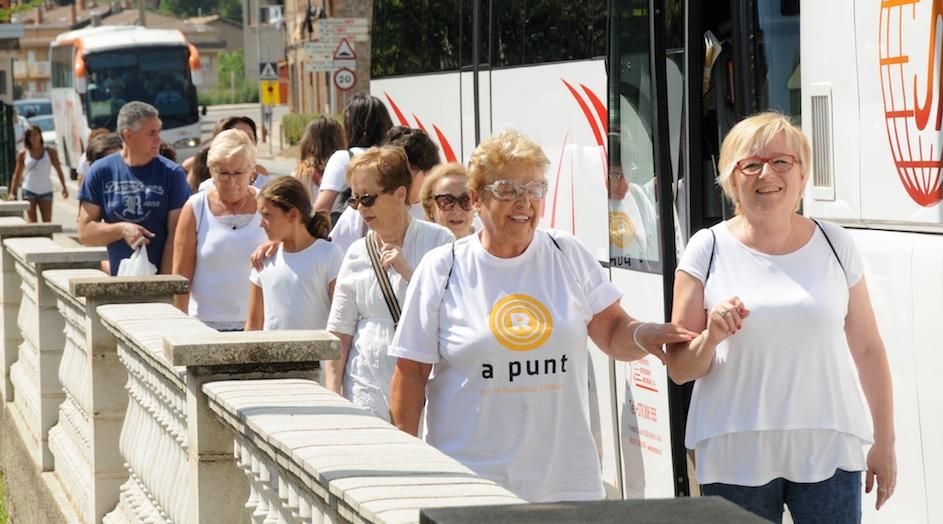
[(137, 265)]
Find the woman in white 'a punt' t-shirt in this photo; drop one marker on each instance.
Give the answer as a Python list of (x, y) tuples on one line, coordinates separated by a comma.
[(496, 325)]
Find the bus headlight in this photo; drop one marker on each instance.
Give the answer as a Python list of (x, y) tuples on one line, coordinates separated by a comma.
[(186, 143)]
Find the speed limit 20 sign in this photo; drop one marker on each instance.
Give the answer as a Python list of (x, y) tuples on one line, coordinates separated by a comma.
[(344, 79)]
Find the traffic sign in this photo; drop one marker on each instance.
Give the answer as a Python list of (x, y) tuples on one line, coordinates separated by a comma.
[(335, 29), (349, 64), (315, 67), (269, 92), (345, 79), (344, 51), (268, 71)]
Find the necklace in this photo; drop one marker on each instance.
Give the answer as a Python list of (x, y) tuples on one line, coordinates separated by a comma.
[(234, 210)]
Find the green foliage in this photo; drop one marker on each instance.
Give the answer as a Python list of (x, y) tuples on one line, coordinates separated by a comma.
[(232, 87), (231, 10), (3, 500), (294, 124), (7, 12), (187, 8)]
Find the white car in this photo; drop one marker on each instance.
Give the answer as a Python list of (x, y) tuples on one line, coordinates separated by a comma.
[(46, 124)]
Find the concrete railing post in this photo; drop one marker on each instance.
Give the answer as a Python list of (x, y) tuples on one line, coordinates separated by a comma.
[(221, 488), (85, 442), (35, 374), (10, 293)]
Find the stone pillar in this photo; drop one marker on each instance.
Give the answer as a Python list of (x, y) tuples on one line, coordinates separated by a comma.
[(221, 487), (98, 397), (35, 374), (10, 292)]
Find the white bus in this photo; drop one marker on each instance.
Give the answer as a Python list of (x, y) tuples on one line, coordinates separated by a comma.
[(630, 99), (97, 70)]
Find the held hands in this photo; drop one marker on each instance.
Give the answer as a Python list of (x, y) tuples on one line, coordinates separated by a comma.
[(267, 249), (882, 464), (725, 320), (652, 337), (135, 235), (391, 255)]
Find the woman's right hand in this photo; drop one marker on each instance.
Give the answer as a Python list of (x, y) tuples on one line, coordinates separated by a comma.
[(267, 249), (725, 320)]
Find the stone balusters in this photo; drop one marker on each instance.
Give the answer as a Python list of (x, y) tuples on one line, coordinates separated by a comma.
[(311, 456), (85, 442), (37, 392), (10, 292)]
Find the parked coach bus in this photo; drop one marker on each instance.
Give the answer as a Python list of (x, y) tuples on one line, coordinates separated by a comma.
[(97, 70), (631, 99)]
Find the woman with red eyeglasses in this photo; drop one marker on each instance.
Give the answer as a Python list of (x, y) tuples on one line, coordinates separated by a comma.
[(445, 199), (373, 278), (786, 333)]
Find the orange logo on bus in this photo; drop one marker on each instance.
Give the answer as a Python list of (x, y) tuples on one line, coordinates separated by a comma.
[(913, 94)]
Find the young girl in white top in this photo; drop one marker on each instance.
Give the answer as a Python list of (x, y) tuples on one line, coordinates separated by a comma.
[(33, 166), (293, 289)]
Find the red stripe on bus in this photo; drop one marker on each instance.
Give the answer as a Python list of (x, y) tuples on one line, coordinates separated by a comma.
[(899, 114), (586, 111), (399, 114), (902, 59), (599, 106), (446, 147), (419, 122)]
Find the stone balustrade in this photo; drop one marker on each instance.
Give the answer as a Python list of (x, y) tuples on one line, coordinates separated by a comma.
[(127, 410), (37, 392), (13, 208)]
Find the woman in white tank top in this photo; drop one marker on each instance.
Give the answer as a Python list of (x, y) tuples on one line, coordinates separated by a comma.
[(787, 332), (217, 231), (33, 166)]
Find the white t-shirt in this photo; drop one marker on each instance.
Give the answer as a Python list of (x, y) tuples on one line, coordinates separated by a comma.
[(508, 395), (334, 177), (350, 227), (786, 381), (360, 310), (82, 170), (36, 173), (295, 286)]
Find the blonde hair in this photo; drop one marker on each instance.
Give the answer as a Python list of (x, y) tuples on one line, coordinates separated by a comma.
[(750, 136), (428, 185), (230, 144), (508, 147)]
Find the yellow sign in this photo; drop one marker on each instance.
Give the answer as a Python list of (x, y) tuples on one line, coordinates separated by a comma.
[(269, 92), (520, 322)]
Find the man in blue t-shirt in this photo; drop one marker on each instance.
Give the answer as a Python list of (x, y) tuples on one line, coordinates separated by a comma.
[(133, 196)]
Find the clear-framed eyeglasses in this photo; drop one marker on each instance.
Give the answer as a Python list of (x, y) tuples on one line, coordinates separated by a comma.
[(508, 190)]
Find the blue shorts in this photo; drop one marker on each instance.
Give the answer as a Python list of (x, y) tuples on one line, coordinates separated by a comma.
[(834, 500), (29, 195)]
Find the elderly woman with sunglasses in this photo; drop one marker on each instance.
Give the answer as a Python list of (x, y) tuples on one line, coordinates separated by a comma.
[(372, 281), (495, 330), (445, 200), (782, 308)]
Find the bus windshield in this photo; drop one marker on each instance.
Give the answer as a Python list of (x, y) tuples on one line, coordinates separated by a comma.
[(159, 76)]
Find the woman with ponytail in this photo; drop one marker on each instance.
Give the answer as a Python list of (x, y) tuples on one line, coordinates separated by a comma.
[(293, 289)]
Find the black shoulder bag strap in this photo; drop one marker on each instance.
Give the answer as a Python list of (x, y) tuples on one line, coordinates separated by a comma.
[(710, 261), (831, 246), (382, 278)]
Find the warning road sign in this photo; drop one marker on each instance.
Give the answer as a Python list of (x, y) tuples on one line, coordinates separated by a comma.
[(344, 51), (268, 71)]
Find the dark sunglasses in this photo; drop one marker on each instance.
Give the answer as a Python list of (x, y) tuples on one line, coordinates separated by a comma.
[(446, 202), (367, 200)]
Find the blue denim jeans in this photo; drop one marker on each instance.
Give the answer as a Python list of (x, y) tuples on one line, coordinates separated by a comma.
[(834, 500)]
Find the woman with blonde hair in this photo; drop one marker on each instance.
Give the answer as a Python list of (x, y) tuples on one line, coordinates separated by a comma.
[(445, 199), (786, 332), (217, 231), (493, 337), (293, 288), (322, 138), (372, 282)]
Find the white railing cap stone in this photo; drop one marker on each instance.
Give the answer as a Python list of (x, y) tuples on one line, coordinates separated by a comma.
[(15, 226), (108, 287), (250, 347), (42, 250), (13, 209)]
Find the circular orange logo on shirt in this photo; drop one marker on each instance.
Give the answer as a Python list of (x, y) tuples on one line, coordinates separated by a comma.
[(520, 322), (621, 229)]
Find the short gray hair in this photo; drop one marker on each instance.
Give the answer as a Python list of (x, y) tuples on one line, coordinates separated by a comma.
[(132, 113), (228, 145)]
